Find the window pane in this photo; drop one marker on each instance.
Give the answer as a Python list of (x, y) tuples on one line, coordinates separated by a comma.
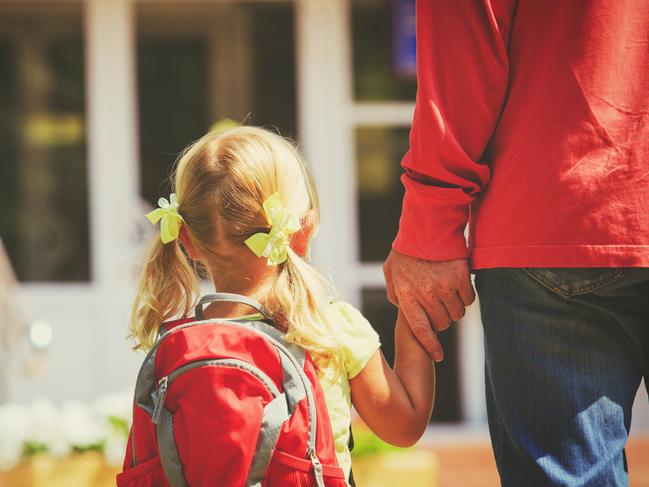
[(382, 315), (375, 73), (199, 63), (378, 154), (43, 191)]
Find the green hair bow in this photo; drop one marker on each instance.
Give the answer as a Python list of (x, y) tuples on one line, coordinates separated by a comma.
[(171, 219), (283, 222)]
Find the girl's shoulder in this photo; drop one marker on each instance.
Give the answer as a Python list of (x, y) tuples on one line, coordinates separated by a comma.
[(345, 318), (354, 334), (345, 312)]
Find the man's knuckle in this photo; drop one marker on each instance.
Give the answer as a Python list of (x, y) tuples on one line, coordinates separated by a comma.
[(417, 326), (429, 290), (406, 284), (407, 301), (420, 328)]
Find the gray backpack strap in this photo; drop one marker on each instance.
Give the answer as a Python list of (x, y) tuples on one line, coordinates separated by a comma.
[(275, 414), (296, 387), (169, 458), (279, 336), (230, 298)]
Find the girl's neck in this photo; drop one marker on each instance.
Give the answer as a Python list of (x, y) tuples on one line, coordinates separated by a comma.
[(256, 284)]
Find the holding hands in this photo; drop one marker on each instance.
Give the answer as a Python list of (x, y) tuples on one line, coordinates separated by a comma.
[(429, 294)]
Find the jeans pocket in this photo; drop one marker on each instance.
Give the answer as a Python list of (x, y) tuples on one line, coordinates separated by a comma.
[(568, 282)]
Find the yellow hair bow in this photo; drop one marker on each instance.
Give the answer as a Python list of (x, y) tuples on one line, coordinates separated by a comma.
[(284, 222), (171, 219)]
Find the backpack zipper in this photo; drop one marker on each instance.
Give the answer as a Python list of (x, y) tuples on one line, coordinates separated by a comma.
[(163, 384), (317, 466)]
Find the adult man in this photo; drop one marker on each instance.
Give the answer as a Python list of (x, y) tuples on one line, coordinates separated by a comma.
[(532, 124)]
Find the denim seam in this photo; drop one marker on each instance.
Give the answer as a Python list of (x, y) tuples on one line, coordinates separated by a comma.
[(499, 432), (594, 284)]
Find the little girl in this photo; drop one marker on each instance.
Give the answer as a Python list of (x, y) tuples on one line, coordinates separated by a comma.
[(245, 208)]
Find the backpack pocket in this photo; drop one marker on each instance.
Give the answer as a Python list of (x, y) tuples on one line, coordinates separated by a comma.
[(146, 474), (290, 471)]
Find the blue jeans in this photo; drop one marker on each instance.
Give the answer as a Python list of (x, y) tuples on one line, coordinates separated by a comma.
[(565, 352)]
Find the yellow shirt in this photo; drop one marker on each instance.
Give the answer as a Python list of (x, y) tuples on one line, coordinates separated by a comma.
[(358, 341)]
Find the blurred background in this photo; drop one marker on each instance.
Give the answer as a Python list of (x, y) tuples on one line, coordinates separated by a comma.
[(98, 97)]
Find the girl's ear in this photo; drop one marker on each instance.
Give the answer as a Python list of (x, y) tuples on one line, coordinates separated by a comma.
[(300, 240), (188, 243)]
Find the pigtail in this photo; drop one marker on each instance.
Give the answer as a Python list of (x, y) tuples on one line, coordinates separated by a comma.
[(167, 287), (302, 295)]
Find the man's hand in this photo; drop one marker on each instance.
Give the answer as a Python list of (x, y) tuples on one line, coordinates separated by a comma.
[(430, 294)]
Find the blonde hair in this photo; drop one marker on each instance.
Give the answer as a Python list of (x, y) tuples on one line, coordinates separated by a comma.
[(221, 182)]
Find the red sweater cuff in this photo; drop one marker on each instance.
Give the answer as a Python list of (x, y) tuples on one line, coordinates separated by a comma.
[(432, 222)]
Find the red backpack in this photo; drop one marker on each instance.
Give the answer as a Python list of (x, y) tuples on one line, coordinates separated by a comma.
[(229, 402)]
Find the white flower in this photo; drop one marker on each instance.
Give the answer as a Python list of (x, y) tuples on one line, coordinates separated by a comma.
[(58, 431), (81, 427), (14, 431), (115, 448), (45, 428), (118, 405), (116, 411)]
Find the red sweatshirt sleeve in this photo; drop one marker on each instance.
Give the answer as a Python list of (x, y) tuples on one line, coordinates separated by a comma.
[(462, 74)]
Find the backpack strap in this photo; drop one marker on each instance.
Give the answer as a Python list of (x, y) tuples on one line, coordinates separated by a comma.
[(296, 387), (169, 459), (230, 298)]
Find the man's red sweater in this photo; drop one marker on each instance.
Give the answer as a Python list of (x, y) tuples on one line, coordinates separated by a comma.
[(532, 122)]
